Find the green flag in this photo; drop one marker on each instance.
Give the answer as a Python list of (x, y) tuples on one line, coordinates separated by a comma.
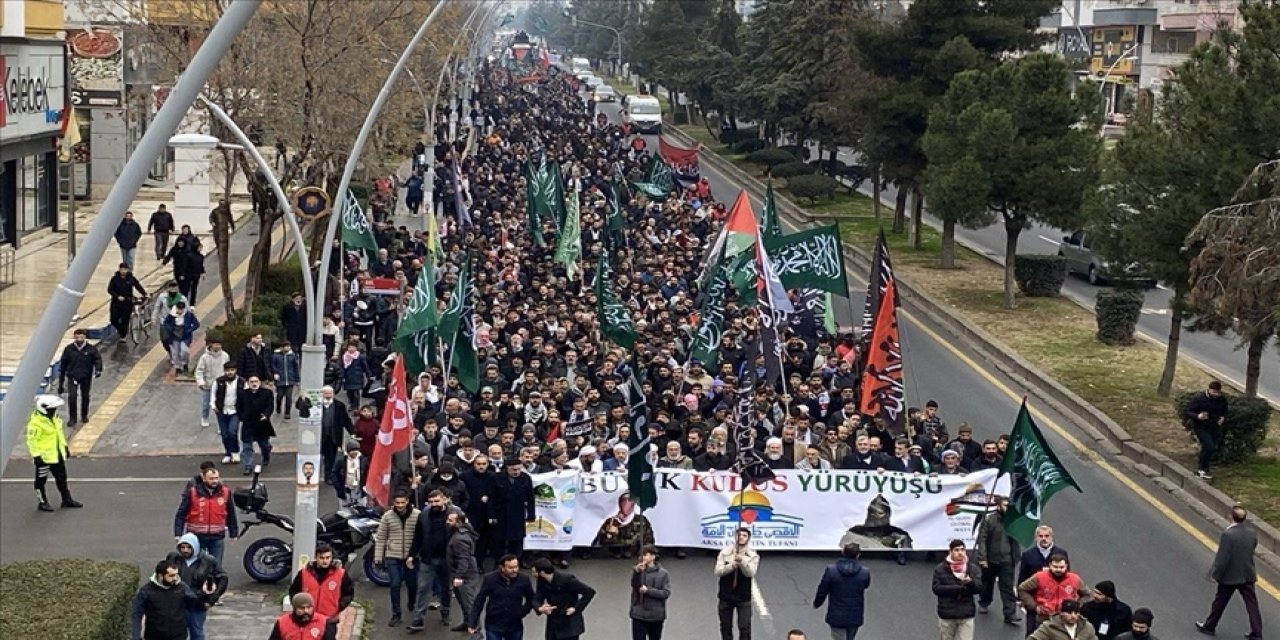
[(356, 232), (615, 219), (614, 318), (1036, 476), (540, 193), (569, 248), (812, 259), (829, 317), (643, 451), (451, 319), (706, 336), (658, 180), (423, 313), (458, 328), (418, 350), (769, 227)]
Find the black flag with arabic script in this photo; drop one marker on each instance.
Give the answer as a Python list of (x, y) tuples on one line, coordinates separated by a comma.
[(749, 464)]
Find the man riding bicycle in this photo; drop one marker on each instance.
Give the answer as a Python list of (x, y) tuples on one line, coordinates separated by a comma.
[(121, 288)]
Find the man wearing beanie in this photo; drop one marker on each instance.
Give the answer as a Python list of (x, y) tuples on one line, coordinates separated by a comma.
[(1143, 619), (1066, 624), (303, 622), (1109, 616)]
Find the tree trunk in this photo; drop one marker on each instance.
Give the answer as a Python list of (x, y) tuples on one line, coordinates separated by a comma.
[(831, 166), (900, 211), (875, 190), (1171, 350), (948, 244), (1253, 366), (1011, 232), (222, 227), (917, 216)]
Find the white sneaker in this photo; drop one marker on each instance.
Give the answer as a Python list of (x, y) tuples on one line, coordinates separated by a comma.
[(235, 457), (226, 459), (204, 422)]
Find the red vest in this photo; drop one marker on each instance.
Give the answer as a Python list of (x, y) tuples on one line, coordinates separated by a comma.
[(207, 515), (328, 593), (1052, 593), (290, 630)]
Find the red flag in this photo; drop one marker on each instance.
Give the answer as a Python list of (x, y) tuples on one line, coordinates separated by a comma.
[(396, 434), (882, 386)]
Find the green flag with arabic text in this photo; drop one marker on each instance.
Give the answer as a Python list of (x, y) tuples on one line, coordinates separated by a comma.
[(1036, 474)]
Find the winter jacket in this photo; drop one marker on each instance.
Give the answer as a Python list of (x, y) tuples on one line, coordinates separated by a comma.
[(1032, 561), (128, 234), (505, 603), (845, 583), (479, 486), (199, 569), (564, 591), (79, 362), (209, 366), (172, 332), (1053, 629), (1215, 407), (515, 506), (421, 546), (994, 544), (1115, 615), (735, 582), (1043, 590), (394, 536), (254, 362), (255, 409), (347, 590), (160, 221), (455, 488), (294, 320), (219, 401), (123, 287), (956, 598), (460, 555), (164, 608), (355, 375), (203, 490), (285, 366), (650, 606), (45, 439)]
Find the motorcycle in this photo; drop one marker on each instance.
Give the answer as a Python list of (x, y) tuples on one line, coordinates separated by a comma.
[(347, 531)]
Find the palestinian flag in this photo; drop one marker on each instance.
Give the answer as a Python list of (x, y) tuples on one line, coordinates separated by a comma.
[(739, 234)]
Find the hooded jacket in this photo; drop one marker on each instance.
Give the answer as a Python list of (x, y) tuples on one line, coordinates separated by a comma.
[(460, 555), (164, 608), (199, 568), (845, 583), (735, 582), (209, 366)]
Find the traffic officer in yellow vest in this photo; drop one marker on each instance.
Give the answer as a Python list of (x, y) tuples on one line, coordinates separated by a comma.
[(48, 446)]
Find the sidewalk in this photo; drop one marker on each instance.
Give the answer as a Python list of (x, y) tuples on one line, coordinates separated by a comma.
[(250, 615), (41, 263)]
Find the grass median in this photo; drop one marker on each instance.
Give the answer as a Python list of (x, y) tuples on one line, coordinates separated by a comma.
[(1058, 336)]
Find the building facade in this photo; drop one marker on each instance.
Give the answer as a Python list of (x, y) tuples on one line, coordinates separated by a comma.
[(1133, 46), (33, 98)]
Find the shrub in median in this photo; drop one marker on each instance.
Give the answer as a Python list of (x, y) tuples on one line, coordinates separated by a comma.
[(1117, 312), (67, 599), (235, 335), (770, 157), (812, 186), (796, 150), (748, 145), (1040, 276), (283, 277), (792, 169), (730, 136), (1243, 431)]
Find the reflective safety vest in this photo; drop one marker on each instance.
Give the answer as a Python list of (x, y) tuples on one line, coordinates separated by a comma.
[(291, 630), (327, 593), (207, 515), (1051, 593)]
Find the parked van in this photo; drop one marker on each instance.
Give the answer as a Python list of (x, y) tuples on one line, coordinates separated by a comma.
[(644, 112)]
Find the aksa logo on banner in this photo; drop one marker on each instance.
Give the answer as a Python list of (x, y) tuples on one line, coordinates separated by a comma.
[(752, 509)]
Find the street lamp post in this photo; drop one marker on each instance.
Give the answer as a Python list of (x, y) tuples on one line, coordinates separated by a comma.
[(65, 299), (1126, 55), (306, 503), (617, 34), (452, 57)]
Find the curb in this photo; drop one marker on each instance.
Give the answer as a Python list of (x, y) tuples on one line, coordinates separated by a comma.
[(1109, 436)]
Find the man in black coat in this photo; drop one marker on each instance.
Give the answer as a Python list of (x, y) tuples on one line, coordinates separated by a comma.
[(515, 507), (1234, 571), (293, 317), (1205, 416), (161, 225), (161, 605), (188, 266), (562, 598), (335, 426), (127, 236), (957, 582), (80, 364), (121, 287), (482, 490), (255, 360), (506, 597), (255, 405), (198, 569)]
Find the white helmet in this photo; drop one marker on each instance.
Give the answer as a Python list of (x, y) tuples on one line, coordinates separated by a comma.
[(47, 401)]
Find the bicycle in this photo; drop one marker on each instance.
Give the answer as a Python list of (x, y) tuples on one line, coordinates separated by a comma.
[(140, 323)]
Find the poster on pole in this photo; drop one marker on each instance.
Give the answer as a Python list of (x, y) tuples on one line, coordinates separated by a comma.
[(798, 510)]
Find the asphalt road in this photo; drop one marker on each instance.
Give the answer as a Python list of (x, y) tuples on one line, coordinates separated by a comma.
[(1219, 354)]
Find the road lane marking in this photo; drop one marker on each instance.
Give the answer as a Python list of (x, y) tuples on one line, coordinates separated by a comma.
[(1050, 241), (84, 440), (1083, 449), (762, 607)]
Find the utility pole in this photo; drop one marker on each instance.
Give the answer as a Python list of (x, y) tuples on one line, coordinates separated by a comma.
[(65, 299)]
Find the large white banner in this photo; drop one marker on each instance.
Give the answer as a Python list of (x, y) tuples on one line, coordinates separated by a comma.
[(804, 510)]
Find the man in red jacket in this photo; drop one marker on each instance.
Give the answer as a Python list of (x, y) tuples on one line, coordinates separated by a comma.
[(303, 623), (327, 582), (207, 511)]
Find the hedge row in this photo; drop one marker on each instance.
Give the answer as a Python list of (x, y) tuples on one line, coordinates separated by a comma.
[(770, 157), (747, 145), (67, 599), (792, 169), (281, 281), (811, 187), (1117, 312), (1040, 276)]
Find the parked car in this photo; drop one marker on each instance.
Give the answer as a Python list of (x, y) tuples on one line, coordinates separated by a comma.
[(604, 93), (1077, 248)]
